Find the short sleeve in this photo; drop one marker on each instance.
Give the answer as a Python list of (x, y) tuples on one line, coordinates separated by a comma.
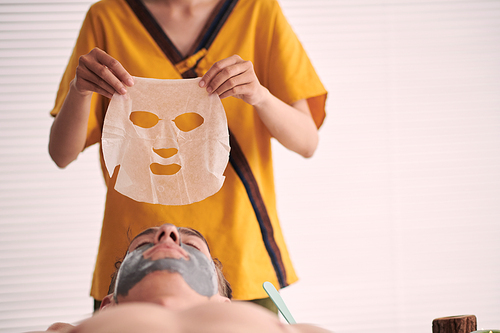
[(87, 40), (292, 76)]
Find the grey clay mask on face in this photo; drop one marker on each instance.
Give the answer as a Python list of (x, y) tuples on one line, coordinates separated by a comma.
[(198, 272)]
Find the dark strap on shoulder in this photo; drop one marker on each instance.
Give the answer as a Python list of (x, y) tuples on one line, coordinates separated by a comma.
[(242, 169), (204, 40), (155, 30)]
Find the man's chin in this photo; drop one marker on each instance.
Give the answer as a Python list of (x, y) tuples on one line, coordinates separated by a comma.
[(154, 286)]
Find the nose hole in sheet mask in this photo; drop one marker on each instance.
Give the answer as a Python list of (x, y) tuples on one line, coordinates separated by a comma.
[(188, 121), (144, 119), (164, 170), (166, 152)]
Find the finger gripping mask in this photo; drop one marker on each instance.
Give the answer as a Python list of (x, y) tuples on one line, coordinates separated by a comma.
[(170, 139)]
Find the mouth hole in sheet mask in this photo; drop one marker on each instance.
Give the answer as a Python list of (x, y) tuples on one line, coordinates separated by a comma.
[(188, 121), (164, 170)]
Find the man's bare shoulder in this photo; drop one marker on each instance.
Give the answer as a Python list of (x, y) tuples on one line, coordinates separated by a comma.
[(236, 317), (57, 328), (243, 317)]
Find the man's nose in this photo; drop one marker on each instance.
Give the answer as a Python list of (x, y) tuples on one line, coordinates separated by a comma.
[(168, 232)]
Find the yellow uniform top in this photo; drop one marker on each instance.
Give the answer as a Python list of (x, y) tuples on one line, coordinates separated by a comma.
[(250, 246)]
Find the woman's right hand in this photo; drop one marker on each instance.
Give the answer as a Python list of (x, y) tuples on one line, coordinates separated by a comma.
[(98, 72)]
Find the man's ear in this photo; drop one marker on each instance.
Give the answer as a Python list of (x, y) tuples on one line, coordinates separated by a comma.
[(220, 299), (107, 301)]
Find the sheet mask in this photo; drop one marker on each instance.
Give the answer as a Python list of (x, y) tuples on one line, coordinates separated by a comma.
[(171, 140), (198, 272)]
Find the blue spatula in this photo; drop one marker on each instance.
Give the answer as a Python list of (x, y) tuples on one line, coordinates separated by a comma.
[(276, 298)]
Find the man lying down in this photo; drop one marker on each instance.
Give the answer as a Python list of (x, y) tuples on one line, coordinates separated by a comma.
[(167, 283)]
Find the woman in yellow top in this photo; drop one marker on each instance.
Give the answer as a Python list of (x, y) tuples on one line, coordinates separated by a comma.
[(246, 52)]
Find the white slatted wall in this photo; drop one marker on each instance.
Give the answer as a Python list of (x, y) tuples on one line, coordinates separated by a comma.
[(394, 222), (49, 218)]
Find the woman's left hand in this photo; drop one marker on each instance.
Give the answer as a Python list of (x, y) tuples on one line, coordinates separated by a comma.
[(292, 125), (236, 77)]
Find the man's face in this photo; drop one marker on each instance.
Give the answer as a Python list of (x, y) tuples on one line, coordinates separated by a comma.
[(151, 235), (159, 262), (170, 139)]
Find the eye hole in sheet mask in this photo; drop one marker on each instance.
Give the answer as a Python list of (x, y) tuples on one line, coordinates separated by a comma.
[(188, 121), (185, 122), (144, 119)]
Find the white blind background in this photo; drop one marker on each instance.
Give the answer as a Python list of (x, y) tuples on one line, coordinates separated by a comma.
[(394, 222)]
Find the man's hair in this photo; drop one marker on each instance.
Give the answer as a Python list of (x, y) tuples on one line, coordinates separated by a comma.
[(224, 285)]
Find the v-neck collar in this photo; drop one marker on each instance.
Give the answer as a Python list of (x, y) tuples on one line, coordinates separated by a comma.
[(185, 65)]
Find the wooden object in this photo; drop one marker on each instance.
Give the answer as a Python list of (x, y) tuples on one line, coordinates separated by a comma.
[(455, 324)]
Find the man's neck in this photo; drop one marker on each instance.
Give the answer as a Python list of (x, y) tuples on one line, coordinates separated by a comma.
[(176, 303)]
